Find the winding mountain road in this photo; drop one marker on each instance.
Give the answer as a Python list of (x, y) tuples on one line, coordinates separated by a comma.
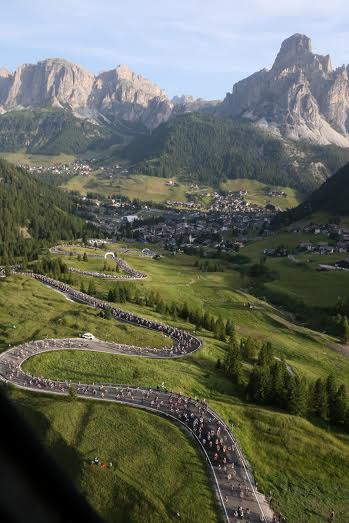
[(229, 471), (129, 272)]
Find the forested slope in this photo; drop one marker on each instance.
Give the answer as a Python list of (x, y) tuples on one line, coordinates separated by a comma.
[(210, 149), (31, 214), (331, 197), (52, 131)]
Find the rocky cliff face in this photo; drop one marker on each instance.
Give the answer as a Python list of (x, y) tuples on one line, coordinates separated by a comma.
[(52, 82), (121, 94), (113, 96), (188, 104), (300, 97)]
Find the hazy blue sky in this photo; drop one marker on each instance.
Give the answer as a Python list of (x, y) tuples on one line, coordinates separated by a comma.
[(198, 47)]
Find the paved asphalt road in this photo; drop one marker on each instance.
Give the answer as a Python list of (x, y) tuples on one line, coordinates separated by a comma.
[(229, 471)]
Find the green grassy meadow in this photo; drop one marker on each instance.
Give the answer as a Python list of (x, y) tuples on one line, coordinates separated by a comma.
[(29, 311), (176, 279), (302, 280), (37, 159), (92, 264), (133, 186), (257, 192), (156, 189), (304, 465), (156, 471)]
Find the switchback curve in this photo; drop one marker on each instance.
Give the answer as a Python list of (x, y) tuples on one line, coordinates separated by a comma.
[(232, 479), (129, 273)]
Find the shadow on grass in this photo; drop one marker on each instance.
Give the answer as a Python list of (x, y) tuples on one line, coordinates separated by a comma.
[(66, 456)]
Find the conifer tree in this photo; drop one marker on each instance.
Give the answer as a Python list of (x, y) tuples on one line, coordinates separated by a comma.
[(278, 385), (258, 388), (266, 355), (319, 404), (339, 407), (160, 307), (219, 329), (91, 288), (138, 297), (345, 330), (229, 328), (232, 361), (185, 311), (331, 390), (297, 396), (173, 311), (249, 348)]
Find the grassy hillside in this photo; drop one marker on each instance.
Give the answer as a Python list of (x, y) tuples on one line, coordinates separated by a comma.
[(133, 186), (156, 188), (208, 149), (23, 158), (156, 469), (288, 453), (23, 301), (297, 279), (332, 197), (258, 193), (176, 279)]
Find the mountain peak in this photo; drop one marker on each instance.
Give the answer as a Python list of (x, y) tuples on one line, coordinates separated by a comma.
[(293, 49), (4, 73), (298, 42), (123, 69), (301, 97)]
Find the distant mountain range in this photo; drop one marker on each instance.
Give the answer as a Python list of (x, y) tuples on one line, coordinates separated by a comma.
[(301, 97), (115, 96), (287, 126)]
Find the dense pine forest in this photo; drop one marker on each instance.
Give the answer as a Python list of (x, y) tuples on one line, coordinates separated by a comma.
[(32, 214), (209, 149)]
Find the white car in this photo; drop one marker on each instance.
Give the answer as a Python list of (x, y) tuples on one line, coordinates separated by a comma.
[(87, 336)]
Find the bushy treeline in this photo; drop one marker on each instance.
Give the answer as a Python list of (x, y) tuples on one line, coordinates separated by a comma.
[(32, 214), (272, 382), (54, 267), (128, 292), (209, 266), (211, 149)]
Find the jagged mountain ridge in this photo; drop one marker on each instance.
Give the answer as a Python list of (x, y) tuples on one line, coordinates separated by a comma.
[(110, 97), (301, 97)]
